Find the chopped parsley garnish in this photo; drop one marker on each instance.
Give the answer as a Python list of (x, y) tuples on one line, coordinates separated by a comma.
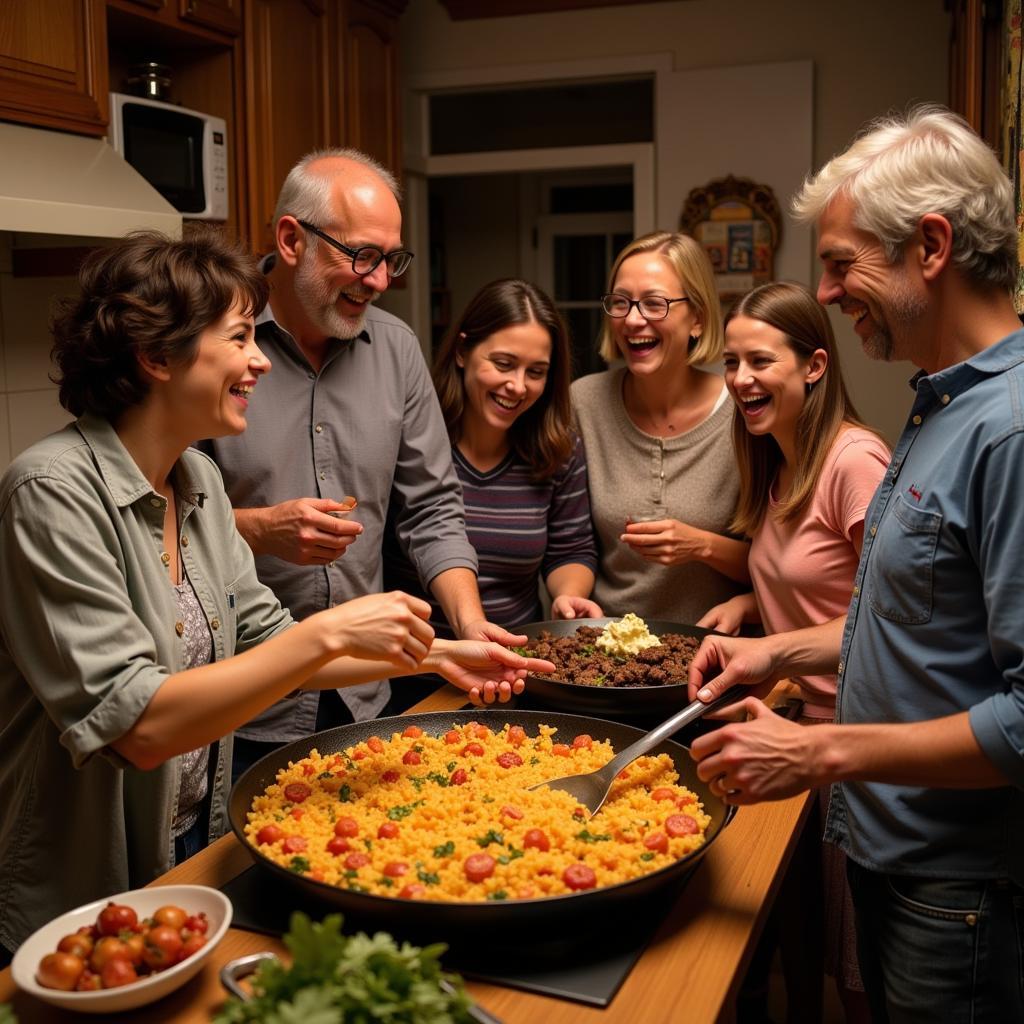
[(428, 877), (356, 887), (439, 778), (487, 799), (385, 881), (450, 767), (345, 794), (401, 811), (351, 873), (534, 760), (368, 842), (589, 837), (499, 894), (299, 865), (647, 856), (445, 849), (491, 837), (326, 775), (512, 855), (417, 781)]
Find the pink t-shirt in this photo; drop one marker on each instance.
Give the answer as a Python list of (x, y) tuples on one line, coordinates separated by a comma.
[(803, 570)]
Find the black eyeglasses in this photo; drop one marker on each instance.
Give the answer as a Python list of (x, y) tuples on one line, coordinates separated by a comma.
[(652, 307), (366, 259)]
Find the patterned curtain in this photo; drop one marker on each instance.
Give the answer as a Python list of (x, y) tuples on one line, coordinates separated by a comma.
[(1013, 140)]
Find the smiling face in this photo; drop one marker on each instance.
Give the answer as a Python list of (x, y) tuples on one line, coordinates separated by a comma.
[(214, 389), (504, 376), (884, 301), (334, 297), (767, 379), (648, 346)]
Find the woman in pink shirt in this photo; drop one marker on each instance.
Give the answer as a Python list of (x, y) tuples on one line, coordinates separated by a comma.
[(808, 470)]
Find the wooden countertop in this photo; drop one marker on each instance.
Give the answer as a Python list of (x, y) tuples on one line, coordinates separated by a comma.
[(687, 975)]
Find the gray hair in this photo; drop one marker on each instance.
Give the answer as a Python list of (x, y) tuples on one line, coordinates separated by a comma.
[(306, 194), (900, 168)]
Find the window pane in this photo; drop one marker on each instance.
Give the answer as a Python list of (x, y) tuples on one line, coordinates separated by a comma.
[(580, 267)]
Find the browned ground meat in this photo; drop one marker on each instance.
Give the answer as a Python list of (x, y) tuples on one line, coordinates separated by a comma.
[(578, 660)]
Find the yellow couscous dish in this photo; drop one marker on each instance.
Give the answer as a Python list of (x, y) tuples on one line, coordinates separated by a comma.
[(451, 817)]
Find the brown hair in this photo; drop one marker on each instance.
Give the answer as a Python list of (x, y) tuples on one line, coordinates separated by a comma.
[(543, 436), (793, 310), (147, 295), (688, 259)]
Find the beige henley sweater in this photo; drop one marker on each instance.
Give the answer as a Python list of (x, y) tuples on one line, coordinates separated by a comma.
[(691, 477)]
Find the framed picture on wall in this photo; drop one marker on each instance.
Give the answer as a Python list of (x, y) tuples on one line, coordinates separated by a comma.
[(739, 225)]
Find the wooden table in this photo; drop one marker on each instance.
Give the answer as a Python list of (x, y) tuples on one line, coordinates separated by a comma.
[(689, 973)]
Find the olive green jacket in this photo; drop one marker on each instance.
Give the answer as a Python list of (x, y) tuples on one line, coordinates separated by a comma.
[(87, 635)]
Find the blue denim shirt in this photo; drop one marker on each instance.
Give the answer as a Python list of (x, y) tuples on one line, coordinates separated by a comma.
[(936, 624)]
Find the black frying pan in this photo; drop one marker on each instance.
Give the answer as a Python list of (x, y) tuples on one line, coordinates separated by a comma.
[(452, 922), (608, 701)]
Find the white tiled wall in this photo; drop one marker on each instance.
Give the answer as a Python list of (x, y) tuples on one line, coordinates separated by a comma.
[(28, 398)]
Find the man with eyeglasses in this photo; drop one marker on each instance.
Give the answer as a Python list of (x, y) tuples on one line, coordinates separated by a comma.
[(349, 409)]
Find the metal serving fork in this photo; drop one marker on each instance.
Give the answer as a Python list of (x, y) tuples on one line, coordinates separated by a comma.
[(591, 790)]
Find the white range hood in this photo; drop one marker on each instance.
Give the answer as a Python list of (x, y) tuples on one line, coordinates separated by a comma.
[(55, 183)]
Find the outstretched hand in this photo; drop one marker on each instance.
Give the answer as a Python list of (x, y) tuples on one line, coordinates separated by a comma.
[(725, 661), (566, 606), (487, 671)]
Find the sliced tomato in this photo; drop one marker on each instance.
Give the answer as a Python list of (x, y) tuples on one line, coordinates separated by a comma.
[(681, 825), (478, 866), (579, 876)]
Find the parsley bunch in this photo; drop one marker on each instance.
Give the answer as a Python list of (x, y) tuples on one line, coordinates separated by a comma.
[(358, 979)]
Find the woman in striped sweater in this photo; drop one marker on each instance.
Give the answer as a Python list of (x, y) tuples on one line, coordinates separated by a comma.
[(502, 378)]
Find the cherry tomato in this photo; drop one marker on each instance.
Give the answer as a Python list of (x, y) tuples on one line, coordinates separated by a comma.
[(412, 891), (307, 770), (396, 868), (108, 948), (481, 732), (197, 924), (681, 825), (296, 792), (388, 830), (88, 982), (268, 834), (452, 736), (347, 827), (391, 775), (582, 742), (60, 971), (338, 846), (355, 861), (459, 777), (412, 732), (516, 735), (508, 811), (663, 793), (527, 892), (294, 844), (473, 748), (115, 918), (194, 943), (656, 841), (579, 876), (89, 929), (560, 750), (76, 945), (136, 944), (411, 757), (296, 813), (536, 840), (375, 743), (510, 759), (163, 944), (118, 972), (358, 755), (580, 812), (173, 917), (478, 866)]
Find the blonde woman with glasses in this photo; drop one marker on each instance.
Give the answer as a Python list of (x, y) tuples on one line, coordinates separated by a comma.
[(663, 478)]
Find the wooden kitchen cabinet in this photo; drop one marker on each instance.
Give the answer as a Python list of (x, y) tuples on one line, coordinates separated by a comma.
[(53, 64), (223, 15)]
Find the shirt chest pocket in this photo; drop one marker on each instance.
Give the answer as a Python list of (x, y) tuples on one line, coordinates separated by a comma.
[(903, 563)]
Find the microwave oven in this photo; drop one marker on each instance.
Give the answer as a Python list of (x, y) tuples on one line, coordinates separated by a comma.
[(182, 153)]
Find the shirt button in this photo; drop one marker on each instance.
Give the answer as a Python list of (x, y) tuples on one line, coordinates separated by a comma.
[(319, 428), (156, 503), (945, 399), (179, 628), (165, 558), (874, 530), (184, 542), (312, 376), (215, 623), (841, 667), (916, 421), (323, 476), (971, 920), (856, 591)]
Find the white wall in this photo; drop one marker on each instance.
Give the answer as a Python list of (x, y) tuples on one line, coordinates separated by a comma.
[(868, 57)]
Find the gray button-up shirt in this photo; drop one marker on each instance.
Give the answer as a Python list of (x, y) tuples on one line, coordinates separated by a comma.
[(367, 424), (87, 636), (936, 625)]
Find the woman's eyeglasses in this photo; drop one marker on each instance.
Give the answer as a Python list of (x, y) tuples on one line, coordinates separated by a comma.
[(652, 307)]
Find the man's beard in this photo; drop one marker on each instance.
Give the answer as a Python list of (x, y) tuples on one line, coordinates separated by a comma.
[(902, 309), (319, 301)]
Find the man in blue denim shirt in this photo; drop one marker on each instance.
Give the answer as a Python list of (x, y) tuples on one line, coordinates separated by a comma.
[(918, 245)]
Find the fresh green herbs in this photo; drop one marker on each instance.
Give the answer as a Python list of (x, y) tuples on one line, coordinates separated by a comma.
[(400, 811), (300, 865), (589, 837), (445, 849), (350, 978), (490, 837), (345, 793)]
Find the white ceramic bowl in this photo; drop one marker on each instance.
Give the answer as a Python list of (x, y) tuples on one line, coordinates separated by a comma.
[(191, 898)]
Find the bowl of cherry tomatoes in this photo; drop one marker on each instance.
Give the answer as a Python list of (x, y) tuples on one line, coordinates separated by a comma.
[(123, 951)]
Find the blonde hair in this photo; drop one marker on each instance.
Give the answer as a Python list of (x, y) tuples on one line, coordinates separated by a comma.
[(691, 265), (901, 168), (793, 310)]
